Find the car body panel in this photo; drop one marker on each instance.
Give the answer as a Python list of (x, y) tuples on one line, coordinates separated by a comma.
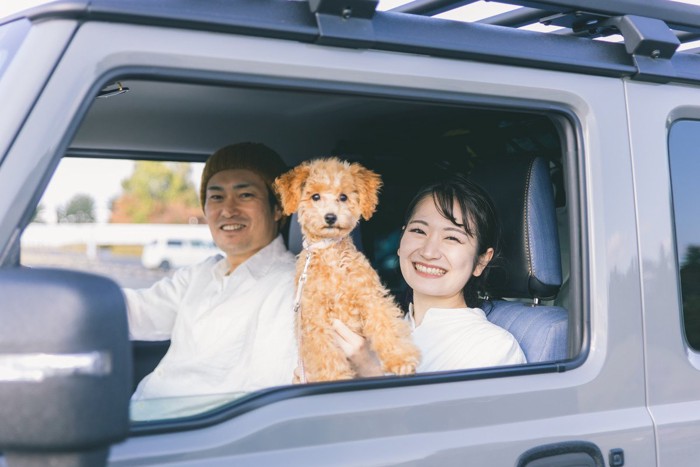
[(20, 83), (28, 69), (673, 368), (491, 420), (633, 385)]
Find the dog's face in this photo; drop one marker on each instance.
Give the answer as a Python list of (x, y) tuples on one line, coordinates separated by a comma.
[(330, 196)]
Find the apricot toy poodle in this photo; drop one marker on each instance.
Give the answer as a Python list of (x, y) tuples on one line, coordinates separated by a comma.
[(335, 280)]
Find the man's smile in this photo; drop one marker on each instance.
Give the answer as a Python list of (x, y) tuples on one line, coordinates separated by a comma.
[(232, 227)]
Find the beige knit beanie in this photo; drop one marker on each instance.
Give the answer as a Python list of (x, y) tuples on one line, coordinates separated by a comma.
[(255, 157)]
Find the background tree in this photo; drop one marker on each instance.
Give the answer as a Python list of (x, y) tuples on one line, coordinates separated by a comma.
[(690, 289), (80, 209), (158, 193), (692, 256), (38, 214)]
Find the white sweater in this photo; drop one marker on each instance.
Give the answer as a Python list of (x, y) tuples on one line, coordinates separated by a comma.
[(462, 338)]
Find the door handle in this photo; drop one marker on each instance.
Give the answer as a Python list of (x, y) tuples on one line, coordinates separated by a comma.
[(564, 454)]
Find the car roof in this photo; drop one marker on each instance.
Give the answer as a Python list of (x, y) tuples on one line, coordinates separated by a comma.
[(293, 15), (649, 29), (195, 118)]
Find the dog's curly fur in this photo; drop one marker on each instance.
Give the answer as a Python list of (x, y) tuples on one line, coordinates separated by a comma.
[(330, 196)]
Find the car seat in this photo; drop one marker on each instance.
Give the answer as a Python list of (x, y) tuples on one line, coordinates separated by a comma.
[(530, 263)]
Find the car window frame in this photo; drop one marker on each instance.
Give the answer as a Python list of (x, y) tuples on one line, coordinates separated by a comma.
[(571, 139), (12, 35), (570, 126)]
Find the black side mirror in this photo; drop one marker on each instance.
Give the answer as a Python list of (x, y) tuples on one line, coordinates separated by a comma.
[(65, 367)]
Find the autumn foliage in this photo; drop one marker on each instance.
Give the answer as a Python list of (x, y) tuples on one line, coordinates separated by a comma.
[(158, 193)]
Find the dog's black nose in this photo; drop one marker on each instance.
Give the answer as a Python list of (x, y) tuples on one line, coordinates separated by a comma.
[(330, 218)]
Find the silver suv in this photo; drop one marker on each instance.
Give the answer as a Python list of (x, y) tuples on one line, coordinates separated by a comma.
[(581, 119)]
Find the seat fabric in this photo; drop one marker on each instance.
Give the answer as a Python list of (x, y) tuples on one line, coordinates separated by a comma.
[(530, 267)]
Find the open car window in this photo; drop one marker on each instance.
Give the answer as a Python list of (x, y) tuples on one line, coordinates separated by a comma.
[(133, 221), (111, 209)]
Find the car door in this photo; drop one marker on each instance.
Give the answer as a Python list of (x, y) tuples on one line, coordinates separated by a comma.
[(592, 405), (664, 122), (29, 53)]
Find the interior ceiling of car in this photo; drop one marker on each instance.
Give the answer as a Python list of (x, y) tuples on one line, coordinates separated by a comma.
[(161, 117), (166, 117), (184, 121)]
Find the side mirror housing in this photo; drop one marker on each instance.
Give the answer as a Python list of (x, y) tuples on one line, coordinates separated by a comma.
[(65, 367)]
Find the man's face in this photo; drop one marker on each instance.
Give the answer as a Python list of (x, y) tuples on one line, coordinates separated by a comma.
[(237, 209)]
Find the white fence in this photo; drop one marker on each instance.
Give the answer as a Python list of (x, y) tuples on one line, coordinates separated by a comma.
[(93, 235)]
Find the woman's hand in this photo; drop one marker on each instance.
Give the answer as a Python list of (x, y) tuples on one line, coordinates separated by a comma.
[(297, 376), (356, 349)]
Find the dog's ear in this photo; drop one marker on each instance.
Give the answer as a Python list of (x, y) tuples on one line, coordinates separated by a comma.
[(289, 185), (368, 184)]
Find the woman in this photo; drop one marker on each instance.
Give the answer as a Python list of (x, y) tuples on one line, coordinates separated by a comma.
[(448, 241)]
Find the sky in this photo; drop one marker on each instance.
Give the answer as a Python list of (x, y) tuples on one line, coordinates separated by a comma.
[(101, 179), (475, 11)]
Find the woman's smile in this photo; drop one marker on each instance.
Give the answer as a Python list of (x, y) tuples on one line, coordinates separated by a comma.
[(428, 270)]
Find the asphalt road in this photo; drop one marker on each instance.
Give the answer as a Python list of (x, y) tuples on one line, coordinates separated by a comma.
[(124, 270)]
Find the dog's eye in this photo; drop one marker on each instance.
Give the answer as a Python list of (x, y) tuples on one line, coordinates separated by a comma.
[(343, 198), (315, 197)]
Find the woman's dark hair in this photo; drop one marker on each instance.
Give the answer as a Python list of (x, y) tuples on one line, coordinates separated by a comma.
[(480, 223)]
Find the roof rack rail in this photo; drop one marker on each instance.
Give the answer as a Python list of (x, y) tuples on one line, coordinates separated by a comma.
[(678, 16), (517, 18), (652, 31), (431, 7)]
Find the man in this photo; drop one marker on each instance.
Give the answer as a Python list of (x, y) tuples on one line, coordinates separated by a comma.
[(230, 320)]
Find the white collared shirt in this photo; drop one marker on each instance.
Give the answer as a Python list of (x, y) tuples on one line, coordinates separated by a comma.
[(228, 333), (462, 338)]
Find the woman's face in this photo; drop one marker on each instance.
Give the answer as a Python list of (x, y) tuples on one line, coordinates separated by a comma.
[(437, 258)]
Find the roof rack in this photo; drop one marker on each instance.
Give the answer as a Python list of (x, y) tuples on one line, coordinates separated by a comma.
[(652, 31), (583, 18)]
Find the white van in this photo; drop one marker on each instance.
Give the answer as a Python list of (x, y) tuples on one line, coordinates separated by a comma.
[(167, 252)]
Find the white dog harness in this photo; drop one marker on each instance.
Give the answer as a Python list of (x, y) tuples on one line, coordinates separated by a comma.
[(309, 248)]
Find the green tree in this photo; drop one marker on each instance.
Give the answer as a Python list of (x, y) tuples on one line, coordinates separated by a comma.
[(157, 192), (80, 209), (690, 290), (38, 214), (692, 256)]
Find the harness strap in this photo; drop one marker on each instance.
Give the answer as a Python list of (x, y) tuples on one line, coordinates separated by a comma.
[(309, 250)]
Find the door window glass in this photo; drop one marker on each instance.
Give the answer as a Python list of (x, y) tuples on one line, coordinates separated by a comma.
[(684, 148)]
